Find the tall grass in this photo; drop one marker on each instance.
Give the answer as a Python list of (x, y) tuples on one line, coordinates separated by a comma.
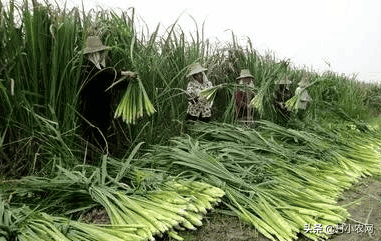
[(44, 64), (338, 96), (40, 81), (372, 97)]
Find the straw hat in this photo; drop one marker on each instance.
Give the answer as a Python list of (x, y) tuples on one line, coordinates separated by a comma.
[(245, 73), (94, 44), (195, 69), (284, 81)]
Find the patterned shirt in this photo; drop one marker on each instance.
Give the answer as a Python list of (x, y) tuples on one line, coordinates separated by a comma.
[(303, 98), (198, 105)]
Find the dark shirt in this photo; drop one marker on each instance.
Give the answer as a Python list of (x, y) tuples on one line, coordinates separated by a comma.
[(96, 104)]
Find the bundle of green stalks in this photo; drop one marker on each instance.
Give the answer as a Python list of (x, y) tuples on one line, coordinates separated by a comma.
[(132, 217), (276, 179), (210, 93), (25, 224), (265, 79), (134, 102), (292, 103), (256, 101), (175, 206), (148, 200), (126, 53)]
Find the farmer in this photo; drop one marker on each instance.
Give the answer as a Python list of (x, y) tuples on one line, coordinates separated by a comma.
[(199, 108), (243, 96), (281, 95), (95, 101), (302, 97)]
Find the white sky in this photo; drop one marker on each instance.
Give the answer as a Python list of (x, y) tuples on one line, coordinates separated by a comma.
[(345, 33)]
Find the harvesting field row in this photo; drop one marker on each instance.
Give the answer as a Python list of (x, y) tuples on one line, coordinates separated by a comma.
[(149, 129)]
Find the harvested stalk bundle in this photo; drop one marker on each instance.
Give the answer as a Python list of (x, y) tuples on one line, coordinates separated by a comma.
[(256, 102), (300, 94), (22, 223), (173, 204), (294, 103), (177, 204), (210, 93), (134, 102), (261, 101), (291, 103)]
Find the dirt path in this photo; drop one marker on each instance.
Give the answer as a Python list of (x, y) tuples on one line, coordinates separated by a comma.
[(363, 202)]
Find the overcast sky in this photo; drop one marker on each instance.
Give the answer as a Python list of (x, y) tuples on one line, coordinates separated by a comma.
[(344, 33)]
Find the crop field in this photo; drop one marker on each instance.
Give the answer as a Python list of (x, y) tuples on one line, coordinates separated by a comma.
[(155, 175)]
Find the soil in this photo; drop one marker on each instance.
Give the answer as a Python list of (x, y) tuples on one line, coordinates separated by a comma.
[(362, 200)]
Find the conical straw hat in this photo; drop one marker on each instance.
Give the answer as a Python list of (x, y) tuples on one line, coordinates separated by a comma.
[(284, 81), (94, 44), (195, 68), (245, 73)]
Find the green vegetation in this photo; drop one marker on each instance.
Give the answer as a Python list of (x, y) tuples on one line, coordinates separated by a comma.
[(271, 173)]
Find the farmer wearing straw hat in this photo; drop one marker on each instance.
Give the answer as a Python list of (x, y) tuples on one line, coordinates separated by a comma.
[(302, 96), (281, 95), (96, 96), (199, 108), (243, 96)]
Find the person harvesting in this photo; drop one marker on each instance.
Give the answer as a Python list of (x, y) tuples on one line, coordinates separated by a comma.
[(199, 107), (281, 95), (243, 96), (96, 96)]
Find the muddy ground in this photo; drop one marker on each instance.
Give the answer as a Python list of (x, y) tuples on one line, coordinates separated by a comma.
[(362, 200)]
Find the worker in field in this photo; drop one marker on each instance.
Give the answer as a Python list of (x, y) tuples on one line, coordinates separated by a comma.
[(303, 98), (96, 97), (281, 95), (243, 95), (199, 108)]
